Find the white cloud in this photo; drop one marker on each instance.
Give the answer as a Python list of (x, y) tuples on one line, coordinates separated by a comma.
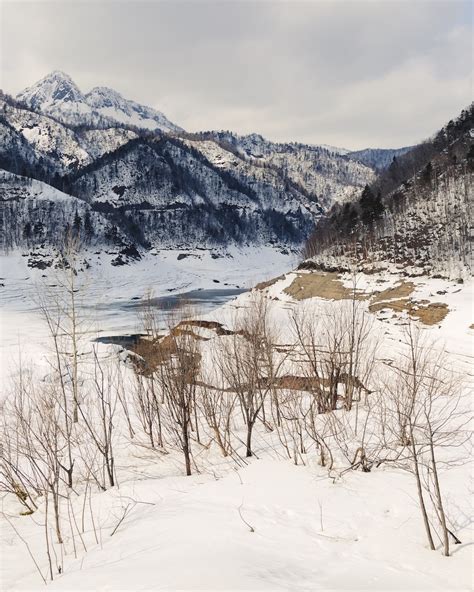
[(351, 73)]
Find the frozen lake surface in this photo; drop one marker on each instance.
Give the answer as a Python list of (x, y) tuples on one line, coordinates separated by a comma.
[(199, 301)]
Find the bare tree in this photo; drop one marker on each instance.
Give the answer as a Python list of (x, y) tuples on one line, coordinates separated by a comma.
[(36, 446), (60, 309), (176, 376), (148, 407), (217, 404), (245, 363), (99, 414), (425, 396)]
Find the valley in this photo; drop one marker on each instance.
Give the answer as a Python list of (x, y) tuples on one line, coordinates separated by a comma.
[(227, 362)]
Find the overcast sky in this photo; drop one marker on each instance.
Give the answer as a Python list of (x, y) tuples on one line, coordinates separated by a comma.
[(352, 73)]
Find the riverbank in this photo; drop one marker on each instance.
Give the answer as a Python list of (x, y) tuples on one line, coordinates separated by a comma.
[(111, 295)]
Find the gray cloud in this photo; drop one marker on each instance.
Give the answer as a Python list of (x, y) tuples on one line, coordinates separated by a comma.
[(349, 73)]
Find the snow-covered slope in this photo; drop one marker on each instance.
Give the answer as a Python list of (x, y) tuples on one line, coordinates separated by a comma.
[(111, 104), (34, 213), (377, 158), (418, 213), (57, 95), (49, 139), (43, 141), (267, 522), (327, 174)]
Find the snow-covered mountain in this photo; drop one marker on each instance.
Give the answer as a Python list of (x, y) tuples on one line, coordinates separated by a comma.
[(154, 184), (165, 189), (58, 95), (109, 103), (324, 172), (60, 147), (416, 214), (378, 158), (55, 92)]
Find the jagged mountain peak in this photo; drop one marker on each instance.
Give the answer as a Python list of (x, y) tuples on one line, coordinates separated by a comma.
[(58, 95), (104, 96), (57, 75), (56, 87)]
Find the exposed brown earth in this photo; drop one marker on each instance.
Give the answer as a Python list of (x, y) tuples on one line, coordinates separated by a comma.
[(320, 285), (154, 352), (428, 314), (432, 314), (402, 290), (268, 283), (328, 285)]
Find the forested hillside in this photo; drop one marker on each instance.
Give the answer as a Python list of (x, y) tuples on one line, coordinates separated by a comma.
[(136, 179), (128, 177), (416, 213)]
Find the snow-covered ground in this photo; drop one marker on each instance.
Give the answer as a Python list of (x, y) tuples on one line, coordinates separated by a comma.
[(111, 293), (361, 533), (258, 524)]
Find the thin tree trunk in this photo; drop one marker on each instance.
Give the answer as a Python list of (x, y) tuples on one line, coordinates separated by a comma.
[(442, 516), (249, 439), (186, 450), (420, 492)]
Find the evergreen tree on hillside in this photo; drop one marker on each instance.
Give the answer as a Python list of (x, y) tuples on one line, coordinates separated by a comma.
[(88, 226), (371, 206), (77, 223)]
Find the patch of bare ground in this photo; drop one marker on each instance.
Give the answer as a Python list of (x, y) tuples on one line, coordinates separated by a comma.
[(212, 325), (314, 383), (154, 352), (402, 290), (432, 314), (268, 283), (428, 314), (320, 285), (328, 285)]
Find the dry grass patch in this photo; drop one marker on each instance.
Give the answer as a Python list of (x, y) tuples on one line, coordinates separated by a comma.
[(397, 305), (268, 283), (320, 285), (402, 290), (432, 314), (428, 314)]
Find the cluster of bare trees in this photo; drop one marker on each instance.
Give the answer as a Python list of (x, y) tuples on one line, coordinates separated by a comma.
[(315, 386), (425, 419), (324, 390), (58, 428)]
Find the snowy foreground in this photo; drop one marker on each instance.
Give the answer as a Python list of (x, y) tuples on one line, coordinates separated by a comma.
[(362, 533), (262, 523)]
